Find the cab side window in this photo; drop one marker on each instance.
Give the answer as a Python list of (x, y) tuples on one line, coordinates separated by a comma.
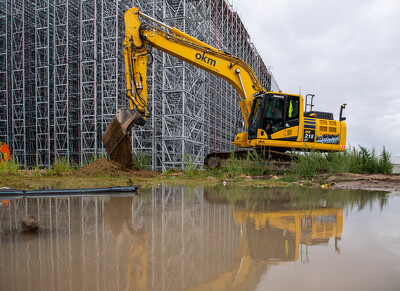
[(293, 108), (292, 114)]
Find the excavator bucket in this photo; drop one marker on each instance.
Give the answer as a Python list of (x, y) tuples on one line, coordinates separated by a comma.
[(116, 138)]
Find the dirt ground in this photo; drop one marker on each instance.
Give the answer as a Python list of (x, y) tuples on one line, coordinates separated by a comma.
[(382, 182), (106, 167), (106, 173), (379, 182)]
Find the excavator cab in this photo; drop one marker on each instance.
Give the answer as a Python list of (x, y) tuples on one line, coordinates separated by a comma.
[(272, 113)]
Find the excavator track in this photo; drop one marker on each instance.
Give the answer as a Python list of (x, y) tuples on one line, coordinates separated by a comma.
[(277, 161)]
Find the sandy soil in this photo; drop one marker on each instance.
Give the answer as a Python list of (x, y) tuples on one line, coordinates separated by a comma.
[(382, 182), (107, 167)]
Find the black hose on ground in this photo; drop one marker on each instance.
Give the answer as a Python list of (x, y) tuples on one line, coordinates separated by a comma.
[(68, 192)]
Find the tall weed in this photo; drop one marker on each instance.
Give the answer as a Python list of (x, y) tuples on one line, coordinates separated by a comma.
[(310, 163), (189, 167), (142, 160), (254, 164), (385, 165), (10, 167), (61, 165), (338, 162)]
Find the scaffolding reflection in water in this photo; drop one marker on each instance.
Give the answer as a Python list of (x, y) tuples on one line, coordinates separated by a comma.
[(167, 238)]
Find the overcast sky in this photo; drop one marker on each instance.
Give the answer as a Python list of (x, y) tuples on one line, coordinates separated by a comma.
[(343, 51)]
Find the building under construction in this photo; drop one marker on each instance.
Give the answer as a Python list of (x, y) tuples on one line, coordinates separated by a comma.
[(62, 80)]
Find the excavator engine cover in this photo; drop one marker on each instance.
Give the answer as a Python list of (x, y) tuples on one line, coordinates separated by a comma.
[(116, 138)]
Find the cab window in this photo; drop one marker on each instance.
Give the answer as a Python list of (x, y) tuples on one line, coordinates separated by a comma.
[(255, 117), (274, 115), (293, 108)]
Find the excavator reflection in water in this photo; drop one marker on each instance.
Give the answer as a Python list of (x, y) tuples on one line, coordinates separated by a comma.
[(267, 238)]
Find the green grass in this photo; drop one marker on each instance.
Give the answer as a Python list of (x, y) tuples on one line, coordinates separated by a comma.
[(305, 165), (253, 165), (10, 167), (189, 167), (61, 165), (142, 160), (311, 163), (308, 164)]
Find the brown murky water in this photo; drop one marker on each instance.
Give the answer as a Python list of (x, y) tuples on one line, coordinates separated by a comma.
[(197, 238)]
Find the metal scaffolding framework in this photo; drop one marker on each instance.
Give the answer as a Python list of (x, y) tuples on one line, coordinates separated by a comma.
[(62, 80), (4, 86)]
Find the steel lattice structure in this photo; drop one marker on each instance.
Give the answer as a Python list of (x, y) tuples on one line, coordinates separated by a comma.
[(4, 86), (62, 80)]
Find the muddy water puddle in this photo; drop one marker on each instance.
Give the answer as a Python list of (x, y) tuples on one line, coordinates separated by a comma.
[(204, 238)]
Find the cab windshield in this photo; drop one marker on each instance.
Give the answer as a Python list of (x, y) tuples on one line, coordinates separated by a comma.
[(255, 116)]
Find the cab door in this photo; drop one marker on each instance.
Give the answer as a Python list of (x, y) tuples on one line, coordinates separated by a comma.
[(292, 118)]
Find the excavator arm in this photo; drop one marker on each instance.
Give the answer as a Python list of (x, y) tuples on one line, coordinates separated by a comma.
[(182, 46)]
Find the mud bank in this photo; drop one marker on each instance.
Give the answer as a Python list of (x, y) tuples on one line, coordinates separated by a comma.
[(106, 173), (378, 182), (111, 168)]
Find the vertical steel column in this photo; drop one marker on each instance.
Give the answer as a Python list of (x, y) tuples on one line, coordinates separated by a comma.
[(110, 19), (183, 95), (74, 85), (42, 81), (4, 50), (88, 79), (18, 146), (61, 79)]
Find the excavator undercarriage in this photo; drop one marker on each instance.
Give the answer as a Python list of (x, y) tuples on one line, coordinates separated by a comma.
[(276, 161)]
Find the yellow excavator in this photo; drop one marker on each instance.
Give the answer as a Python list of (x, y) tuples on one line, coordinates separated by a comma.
[(274, 120)]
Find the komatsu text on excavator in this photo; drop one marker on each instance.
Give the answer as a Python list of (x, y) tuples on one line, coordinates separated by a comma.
[(274, 120)]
